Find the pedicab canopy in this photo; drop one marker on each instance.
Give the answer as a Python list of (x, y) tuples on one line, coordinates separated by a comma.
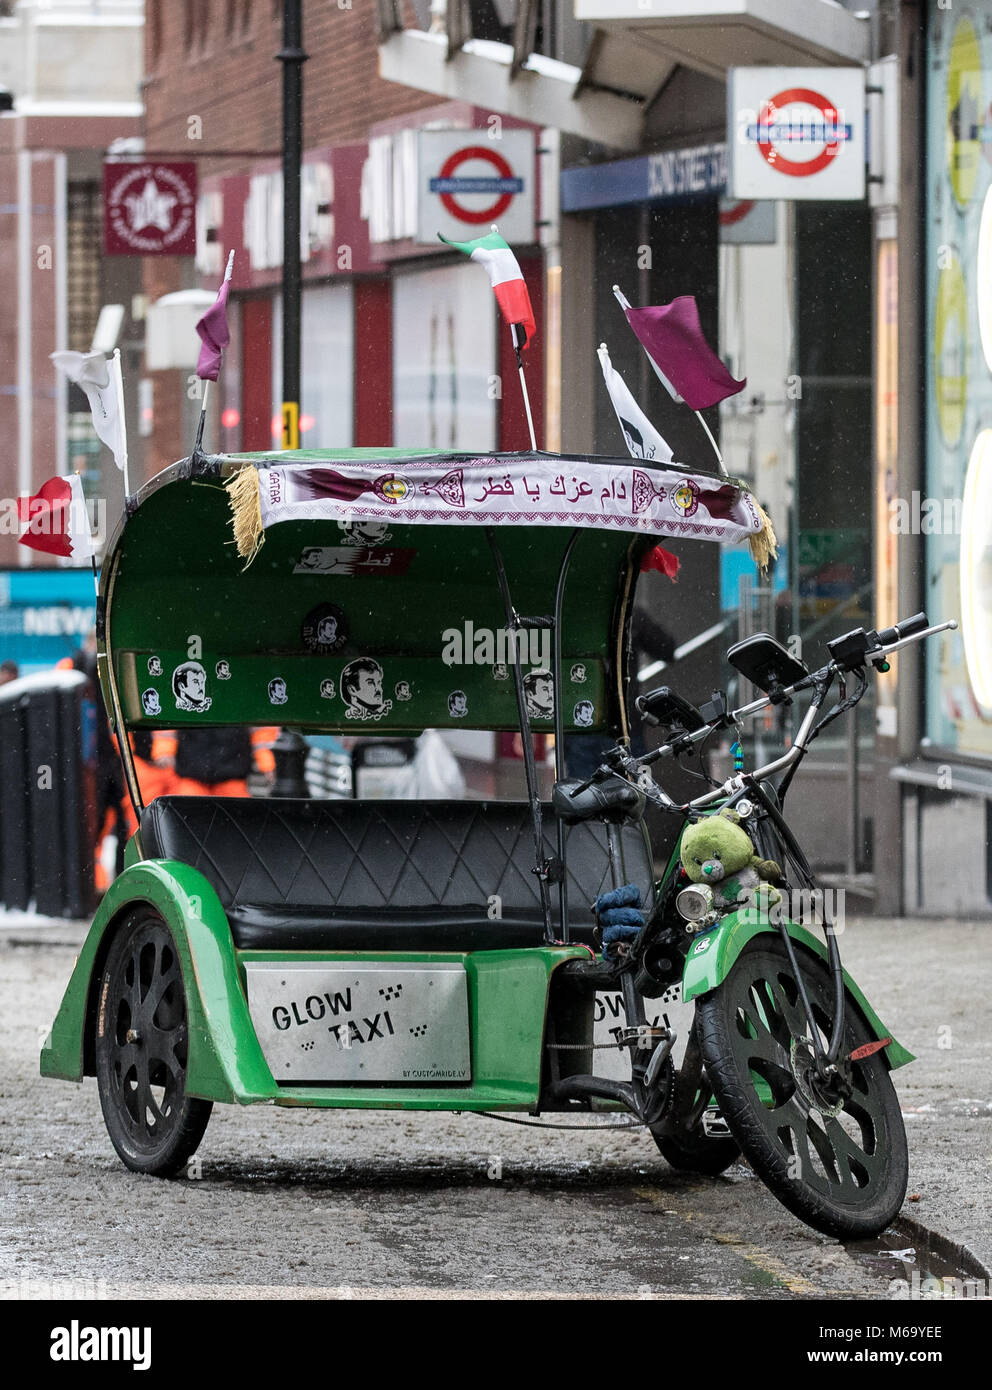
[(356, 591)]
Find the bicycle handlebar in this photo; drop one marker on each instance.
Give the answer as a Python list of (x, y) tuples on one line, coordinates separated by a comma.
[(889, 640)]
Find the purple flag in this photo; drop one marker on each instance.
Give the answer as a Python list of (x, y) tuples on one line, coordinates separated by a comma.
[(216, 335), (688, 367)]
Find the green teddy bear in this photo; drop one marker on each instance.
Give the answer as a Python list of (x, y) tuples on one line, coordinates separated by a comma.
[(716, 851)]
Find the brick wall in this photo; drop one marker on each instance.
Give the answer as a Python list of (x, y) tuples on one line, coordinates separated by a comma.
[(232, 82)]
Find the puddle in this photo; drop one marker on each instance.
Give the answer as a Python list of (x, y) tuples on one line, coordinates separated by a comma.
[(932, 1266)]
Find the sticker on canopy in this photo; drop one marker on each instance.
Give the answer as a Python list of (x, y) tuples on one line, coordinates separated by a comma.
[(154, 666), (458, 704), (500, 672), (539, 694), (277, 691), (327, 691), (189, 686), (354, 558), (582, 714), (361, 689), (325, 629), (685, 497), (577, 675), (150, 704), (223, 670), (370, 533), (402, 690)]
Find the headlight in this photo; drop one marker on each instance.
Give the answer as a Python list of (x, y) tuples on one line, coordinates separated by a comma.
[(695, 902)]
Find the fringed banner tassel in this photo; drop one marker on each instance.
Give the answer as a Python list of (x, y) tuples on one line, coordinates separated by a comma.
[(246, 508), (764, 546)]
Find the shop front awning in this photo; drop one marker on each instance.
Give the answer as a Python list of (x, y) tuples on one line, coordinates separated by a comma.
[(711, 36), (633, 51), (543, 90)]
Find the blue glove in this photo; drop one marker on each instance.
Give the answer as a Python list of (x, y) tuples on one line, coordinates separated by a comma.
[(619, 914)]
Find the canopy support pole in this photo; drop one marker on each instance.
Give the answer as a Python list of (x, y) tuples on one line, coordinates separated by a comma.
[(560, 770), (530, 767), (117, 713)]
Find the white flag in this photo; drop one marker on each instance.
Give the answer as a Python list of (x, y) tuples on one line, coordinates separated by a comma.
[(642, 439), (101, 380)]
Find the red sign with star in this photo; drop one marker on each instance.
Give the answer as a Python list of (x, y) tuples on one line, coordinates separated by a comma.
[(149, 208)]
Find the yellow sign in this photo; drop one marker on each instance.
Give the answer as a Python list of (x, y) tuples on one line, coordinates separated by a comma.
[(965, 111), (290, 424), (950, 350)]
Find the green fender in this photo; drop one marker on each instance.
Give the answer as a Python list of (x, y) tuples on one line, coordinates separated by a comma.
[(711, 958), (225, 1060)]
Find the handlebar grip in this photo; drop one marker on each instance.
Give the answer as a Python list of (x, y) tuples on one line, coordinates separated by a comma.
[(919, 622)]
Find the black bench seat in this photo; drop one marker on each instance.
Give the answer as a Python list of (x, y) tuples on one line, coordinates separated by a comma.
[(384, 875)]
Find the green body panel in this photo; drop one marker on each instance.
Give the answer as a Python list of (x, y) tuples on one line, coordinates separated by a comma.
[(225, 1060), (507, 993), (708, 967)]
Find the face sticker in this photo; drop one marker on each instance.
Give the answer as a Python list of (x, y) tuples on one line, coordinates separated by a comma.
[(327, 690), (458, 704), (324, 629), (189, 685), (365, 533), (500, 673), (361, 689), (223, 671), (277, 691), (402, 690), (582, 714), (577, 675), (154, 666), (539, 694), (150, 702)]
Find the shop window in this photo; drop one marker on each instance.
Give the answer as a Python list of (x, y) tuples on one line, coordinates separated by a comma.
[(83, 245), (327, 368), (444, 359)]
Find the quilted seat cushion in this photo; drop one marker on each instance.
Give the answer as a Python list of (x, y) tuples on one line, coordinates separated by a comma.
[(384, 875)]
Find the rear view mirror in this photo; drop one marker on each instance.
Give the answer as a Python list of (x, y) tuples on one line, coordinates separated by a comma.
[(766, 663), (664, 707)]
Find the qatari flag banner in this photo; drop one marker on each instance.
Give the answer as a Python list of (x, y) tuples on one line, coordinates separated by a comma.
[(214, 331), (508, 490), (683, 360)]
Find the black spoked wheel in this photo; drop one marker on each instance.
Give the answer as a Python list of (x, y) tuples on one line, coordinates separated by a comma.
[(835, 1154), (142, 1051), (697, 1152)]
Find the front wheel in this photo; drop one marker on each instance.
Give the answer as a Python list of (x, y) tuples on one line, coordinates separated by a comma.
[(142, 1047), (835, 1155)]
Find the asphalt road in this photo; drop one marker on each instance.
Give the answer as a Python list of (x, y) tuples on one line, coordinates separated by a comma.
[(310, 1204)]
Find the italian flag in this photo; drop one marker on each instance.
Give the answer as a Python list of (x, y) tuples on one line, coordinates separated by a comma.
[(505, 276)]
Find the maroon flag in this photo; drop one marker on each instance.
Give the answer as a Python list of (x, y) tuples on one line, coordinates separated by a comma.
[(687, 366), (214, 331)]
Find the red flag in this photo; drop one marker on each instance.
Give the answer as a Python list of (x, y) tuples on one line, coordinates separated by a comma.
[(662, 560), (688, 367), (57, 522)]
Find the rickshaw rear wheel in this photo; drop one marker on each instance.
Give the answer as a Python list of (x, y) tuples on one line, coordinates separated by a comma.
[(142, 1050), (696, 1152)]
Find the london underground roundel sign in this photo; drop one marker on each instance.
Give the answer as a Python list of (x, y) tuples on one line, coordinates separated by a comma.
[(467, 181), (797, 133)]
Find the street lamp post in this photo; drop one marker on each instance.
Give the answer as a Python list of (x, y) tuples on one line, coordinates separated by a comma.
[(292, 57)]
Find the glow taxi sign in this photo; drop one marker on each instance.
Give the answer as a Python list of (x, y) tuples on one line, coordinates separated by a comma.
[(796, 133), (466, 181)]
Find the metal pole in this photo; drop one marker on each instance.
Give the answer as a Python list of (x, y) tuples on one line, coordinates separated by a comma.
[(292, 57)]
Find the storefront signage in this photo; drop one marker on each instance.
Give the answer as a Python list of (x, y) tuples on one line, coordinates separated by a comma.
[(796, 133), (466, 181), (670, 176), (149, 208)]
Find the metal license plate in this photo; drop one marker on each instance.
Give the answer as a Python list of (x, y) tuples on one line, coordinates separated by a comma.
[(609, 1017), (369, 1022)]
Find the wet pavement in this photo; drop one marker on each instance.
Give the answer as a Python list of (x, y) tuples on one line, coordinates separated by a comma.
[(299, 1204)]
